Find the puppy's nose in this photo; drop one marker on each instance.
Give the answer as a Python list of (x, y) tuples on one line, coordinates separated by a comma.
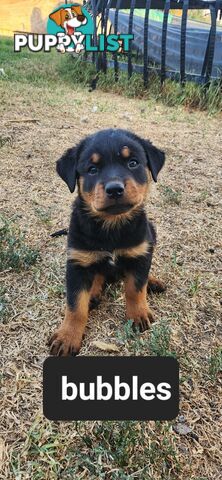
[(80, 18), (114, 189)]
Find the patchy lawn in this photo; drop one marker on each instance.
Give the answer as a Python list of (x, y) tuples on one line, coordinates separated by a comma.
[(39, 119)]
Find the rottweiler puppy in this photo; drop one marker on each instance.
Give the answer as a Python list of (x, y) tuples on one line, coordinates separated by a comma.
[(109, 237)]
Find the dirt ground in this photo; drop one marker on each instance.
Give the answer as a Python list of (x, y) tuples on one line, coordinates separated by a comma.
[(186, 208)]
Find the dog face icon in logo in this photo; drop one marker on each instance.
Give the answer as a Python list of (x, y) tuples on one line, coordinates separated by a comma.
[(70, 23), (69, 18)]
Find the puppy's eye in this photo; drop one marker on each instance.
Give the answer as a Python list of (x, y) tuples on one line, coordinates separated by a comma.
[(133, 163), (67, 17), (93, 170)]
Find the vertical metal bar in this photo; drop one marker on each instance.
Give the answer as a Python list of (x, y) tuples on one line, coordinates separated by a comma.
[(213, 12), (98, 25), (203, 71), (94, 11), (116, 64), (164, 38), (130, 30), (183, 42), (145, 47), (104, 61), (209, 55)]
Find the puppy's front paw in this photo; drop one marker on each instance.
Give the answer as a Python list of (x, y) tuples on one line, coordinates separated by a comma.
[(64, 343), (142, 320)]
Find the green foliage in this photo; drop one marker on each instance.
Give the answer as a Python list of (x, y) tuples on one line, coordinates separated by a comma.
[(215, 363), (171, 196), (156, 341), (41, 69), (133, 340), (194, 286), (14, 253), (159, 342), (43, 215), (3, 303), (128, 448), (112, 450)]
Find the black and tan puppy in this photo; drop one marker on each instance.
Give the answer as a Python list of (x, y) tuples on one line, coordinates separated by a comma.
[(109, 235)]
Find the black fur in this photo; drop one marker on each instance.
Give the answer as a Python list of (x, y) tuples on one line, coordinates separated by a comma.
[(89, 230), (85, 233), (108, 142)]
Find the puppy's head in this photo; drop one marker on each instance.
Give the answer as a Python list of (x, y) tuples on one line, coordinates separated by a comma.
[(113, 169)]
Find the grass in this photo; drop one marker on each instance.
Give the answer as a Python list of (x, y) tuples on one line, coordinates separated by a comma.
[(28, 67), (3, 304), (32, 301), (15, 254), (215, 363), (43, 215), (157, 343), (194, 286), (112, 451), (173, 197)]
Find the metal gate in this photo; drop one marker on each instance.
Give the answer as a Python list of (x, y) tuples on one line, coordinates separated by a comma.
[(177, 48)]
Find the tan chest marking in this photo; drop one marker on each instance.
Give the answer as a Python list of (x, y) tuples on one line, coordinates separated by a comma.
[(87, 258)]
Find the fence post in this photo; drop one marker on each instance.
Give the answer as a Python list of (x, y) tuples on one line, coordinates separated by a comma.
[(183, 41), (146, 38), (164, 38), (130, 30)]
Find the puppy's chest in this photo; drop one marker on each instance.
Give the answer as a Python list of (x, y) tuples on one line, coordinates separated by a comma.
[(87, 258)]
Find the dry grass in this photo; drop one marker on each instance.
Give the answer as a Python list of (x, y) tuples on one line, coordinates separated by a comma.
[(188, 258)]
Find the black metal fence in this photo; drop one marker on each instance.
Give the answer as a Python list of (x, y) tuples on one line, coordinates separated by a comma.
[(180, 49)]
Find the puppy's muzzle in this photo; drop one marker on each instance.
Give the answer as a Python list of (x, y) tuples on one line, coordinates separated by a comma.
[(114, 190)]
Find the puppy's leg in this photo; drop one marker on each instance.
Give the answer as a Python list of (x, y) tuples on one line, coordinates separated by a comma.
[(96, 291), (137, 308), (155, 285), (67, 339)]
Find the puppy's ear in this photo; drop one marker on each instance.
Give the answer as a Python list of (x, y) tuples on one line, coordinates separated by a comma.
[(56, 16), (77, 9), (155, 158), (66, 167)]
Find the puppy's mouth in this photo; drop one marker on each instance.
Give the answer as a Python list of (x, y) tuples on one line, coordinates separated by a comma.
[(116, 209), (70, 29)]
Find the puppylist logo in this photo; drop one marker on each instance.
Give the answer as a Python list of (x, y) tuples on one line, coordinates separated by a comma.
[(70, 28)]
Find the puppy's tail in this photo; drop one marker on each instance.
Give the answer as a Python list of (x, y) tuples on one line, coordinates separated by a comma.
[(59, 233)]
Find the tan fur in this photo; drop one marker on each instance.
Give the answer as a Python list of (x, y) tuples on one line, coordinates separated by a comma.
[(133, 252), (87, 196), (155, 282), (125, 152), (95, 158), (97, 286), (87, 258), (96, 201), (69, 334), (136, 302)]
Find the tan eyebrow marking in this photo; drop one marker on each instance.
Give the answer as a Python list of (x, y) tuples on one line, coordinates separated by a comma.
[(95, 158), (125, 152)]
